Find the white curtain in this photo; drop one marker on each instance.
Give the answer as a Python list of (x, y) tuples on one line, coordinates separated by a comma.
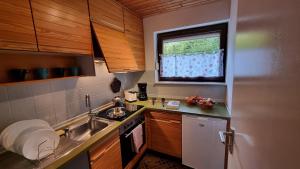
[(192, 65)]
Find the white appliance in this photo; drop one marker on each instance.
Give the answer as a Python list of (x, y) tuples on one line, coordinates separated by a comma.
[(130, 96), (201, 146)]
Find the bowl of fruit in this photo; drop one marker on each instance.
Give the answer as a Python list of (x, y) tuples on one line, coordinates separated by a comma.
[(203, 103)]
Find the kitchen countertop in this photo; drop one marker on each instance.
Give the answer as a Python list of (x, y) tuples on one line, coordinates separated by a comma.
[(218, 111), (13, 161)]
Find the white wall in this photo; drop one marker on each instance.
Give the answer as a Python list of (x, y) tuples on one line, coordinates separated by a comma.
[(216, 11)]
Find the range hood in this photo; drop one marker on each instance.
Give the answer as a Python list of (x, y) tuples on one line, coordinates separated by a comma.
[(98, 55), (113, 47)]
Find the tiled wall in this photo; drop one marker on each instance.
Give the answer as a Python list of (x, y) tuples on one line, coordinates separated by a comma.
[(58, 100)]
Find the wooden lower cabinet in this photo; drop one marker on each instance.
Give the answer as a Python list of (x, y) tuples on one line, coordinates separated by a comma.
[(107, 154), (164, 133)]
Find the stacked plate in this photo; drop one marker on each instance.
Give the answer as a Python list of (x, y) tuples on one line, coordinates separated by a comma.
[(33, 139)]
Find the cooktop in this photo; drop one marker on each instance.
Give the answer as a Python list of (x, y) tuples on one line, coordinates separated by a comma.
[(129, 110)]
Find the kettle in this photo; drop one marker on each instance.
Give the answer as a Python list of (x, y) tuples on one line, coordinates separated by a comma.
[(118, 101)]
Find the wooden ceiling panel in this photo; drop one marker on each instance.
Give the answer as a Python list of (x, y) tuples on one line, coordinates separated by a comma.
[(146, 8)]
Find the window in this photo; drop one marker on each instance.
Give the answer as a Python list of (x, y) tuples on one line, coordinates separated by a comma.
[(193, 55)]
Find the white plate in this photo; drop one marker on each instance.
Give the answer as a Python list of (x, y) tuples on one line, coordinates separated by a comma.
[(10, 133), (28, 143)]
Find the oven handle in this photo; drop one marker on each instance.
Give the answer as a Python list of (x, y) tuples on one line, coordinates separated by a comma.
[(127, 135)]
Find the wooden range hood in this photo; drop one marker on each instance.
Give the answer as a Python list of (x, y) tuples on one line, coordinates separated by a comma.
[(115, 49)]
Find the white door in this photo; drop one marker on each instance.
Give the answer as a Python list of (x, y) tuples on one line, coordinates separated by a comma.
[(201, 147), (266, 89)]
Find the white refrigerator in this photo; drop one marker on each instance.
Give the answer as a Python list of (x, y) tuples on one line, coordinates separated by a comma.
[(201, 145)]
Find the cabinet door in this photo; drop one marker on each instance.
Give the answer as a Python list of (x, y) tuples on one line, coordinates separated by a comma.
[(108, 13), (16, 30), (201, 147), (107, 154), (164, 133), (62, 26), (135, 37)]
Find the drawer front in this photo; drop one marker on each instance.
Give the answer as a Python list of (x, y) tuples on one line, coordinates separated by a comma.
[(107, 154), (165, 116)]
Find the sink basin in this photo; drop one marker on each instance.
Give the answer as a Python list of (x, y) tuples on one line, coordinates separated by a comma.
[(83, 131)]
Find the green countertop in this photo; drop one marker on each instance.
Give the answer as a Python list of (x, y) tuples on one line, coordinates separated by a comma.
[(14, 161), (218, 111)]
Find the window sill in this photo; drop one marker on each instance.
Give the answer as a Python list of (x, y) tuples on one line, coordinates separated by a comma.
[(189, 83)]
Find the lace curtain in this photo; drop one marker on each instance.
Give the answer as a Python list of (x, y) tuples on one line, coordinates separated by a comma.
[(192, 65)]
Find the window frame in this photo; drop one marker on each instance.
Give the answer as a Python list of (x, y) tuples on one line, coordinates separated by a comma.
[(221, 28)]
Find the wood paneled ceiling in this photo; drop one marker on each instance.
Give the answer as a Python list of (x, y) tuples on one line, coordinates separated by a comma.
[(152, 7)]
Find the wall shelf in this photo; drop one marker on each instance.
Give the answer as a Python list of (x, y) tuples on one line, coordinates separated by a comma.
[(32, 60), (38, 80)]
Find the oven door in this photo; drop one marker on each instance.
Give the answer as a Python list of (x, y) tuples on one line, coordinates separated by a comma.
[(127, 145)]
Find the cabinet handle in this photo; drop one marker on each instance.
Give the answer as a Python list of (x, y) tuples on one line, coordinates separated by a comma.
[(167, 121), (175, 121), (99, 156), (164, 121)]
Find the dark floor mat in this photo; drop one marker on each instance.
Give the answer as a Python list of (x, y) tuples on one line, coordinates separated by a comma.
[(156, 161)]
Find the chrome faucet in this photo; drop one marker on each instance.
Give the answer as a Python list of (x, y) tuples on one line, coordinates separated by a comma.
[(90, 114)]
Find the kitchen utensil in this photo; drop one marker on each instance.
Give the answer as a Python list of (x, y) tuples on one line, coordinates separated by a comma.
[(58, 72), (36, 143), (115, 85), (116, 112), (153, 99), (73, 71), (25, 138), (118, 101), (9, 135), (41, 73), (163, 100), (18, 74)]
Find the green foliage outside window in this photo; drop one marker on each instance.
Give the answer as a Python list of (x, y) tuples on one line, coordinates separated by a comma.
[(207, 45)]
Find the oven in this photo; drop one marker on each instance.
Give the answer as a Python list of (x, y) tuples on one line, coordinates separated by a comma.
[(126, 138)]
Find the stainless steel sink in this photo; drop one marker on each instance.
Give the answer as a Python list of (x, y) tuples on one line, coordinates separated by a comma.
[(83, 131)]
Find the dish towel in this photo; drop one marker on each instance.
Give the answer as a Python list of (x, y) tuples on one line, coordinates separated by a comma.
[(137, 135)]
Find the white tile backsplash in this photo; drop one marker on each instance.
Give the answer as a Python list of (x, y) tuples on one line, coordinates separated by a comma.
[(5, 114), (57, 100), (19, 91), (3, 94), (23, 109)]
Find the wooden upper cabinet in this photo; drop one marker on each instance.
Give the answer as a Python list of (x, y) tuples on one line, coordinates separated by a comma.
[(115, 48), (62, 26), (16, 30), (135, 36), (108, 13)]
